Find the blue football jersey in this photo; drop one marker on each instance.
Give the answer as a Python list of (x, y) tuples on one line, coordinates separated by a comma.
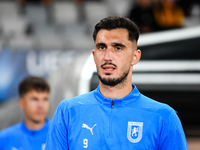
[(135, 122), (19, 137)]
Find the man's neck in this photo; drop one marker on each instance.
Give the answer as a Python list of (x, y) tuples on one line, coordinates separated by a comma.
[(34, 125), (117, 91)]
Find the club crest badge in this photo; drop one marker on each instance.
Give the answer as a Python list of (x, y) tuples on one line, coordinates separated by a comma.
[(134, 131)]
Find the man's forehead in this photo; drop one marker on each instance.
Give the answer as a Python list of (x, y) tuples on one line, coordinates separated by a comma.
[(36, 91), (116, 29), (114, 33), (117, 34)]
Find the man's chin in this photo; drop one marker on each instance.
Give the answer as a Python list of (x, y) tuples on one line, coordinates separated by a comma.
[(38, 120), (112, 81), (109, 81)]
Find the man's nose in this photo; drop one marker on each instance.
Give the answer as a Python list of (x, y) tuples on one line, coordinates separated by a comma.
[(40, 103), (108, 55)]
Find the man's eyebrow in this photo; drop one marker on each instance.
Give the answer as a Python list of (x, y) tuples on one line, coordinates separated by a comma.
[(118, 44), (100, 44)]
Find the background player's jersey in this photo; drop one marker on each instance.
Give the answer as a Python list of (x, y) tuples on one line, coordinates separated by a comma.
[(18, 137), (135, 122)]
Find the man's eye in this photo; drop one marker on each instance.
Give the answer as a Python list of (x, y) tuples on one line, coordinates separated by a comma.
[(118, 48), (101, 47), (34, 99), (45, 99)]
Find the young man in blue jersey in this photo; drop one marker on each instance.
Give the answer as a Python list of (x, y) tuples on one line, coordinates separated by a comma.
[(29, 134), (115, 115)]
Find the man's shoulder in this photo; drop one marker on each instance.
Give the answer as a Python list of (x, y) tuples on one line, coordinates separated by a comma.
[(84, 99), (11, 130), (155, 106)]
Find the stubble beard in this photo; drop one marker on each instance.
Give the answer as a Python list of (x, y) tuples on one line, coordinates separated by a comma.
[(37, 121), (114, 81)]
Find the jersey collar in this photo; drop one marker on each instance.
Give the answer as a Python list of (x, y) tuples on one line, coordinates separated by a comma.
[(122, 102), (34, 132)]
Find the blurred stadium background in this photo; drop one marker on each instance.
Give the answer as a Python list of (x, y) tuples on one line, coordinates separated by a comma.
[(53, 39)]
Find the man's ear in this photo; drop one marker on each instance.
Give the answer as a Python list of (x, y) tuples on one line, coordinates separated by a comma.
[(93, 52), (21, 103), (136, 57)]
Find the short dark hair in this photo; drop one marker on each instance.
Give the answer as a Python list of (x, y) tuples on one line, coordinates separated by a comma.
[(32, 83), (115, 22)]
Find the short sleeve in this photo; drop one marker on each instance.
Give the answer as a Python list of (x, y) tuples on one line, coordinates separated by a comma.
[(58, 131), (173, 136)]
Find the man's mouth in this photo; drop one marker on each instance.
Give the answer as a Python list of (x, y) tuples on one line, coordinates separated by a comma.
[(40, 113), (108, 68)]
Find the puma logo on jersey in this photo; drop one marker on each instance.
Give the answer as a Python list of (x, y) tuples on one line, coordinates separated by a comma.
[(87, 127)]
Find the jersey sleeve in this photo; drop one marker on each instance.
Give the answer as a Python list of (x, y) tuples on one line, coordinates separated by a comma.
[(172, 135), (1, 141), (57, 137)]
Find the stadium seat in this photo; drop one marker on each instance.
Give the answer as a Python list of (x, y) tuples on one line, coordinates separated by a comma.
[(11, 23), (13, 26), (119, 7), (95, 11), (36, 14), (8, 9), (65, 12)]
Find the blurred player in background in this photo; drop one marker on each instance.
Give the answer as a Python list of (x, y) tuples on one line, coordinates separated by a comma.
[(29, 134)]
